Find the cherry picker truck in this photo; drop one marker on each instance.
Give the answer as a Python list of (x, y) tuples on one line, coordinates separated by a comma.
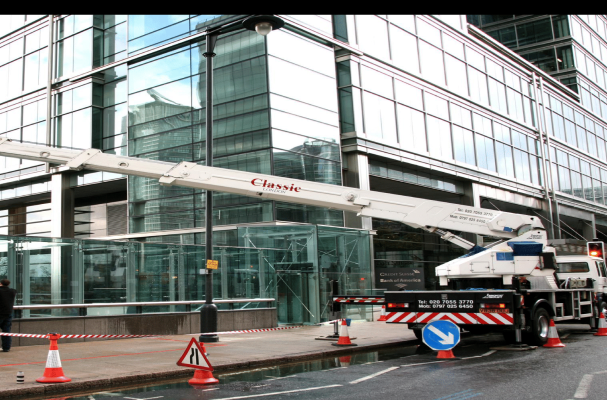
[(520, 282)]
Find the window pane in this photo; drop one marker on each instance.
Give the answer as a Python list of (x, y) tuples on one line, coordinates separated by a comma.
[(373, 35), (432, 63), (456, 75), (404, 50), (409, 95), (439, 138), (379, 116), (411, 129)]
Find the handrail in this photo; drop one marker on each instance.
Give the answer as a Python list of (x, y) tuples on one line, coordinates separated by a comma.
[(138, 304)]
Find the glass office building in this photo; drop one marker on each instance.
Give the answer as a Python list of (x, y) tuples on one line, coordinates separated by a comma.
[(424, 106)]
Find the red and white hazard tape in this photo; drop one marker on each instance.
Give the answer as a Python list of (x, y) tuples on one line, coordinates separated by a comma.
[(377, 300), (458, 318), (29, 335), (24, 335), (252, 330)]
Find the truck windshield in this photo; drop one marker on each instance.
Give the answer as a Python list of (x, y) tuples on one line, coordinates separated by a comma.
[(573, 267)]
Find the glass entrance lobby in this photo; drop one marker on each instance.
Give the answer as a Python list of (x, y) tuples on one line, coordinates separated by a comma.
[(293, 264)]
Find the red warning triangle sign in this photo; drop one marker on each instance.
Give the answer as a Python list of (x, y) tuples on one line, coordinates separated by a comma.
[(194, 357)]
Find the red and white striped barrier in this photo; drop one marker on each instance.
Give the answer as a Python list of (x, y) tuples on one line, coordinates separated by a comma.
[(457, 318), (358, 300), (30, 335), (253, 330)]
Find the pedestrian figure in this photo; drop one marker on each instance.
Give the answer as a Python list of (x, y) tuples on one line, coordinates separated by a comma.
[(7, 301)]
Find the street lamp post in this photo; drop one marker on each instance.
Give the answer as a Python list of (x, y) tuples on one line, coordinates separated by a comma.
[(262, 24)]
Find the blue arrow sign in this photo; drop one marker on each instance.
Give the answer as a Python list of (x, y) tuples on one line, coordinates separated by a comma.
[(441, 335)]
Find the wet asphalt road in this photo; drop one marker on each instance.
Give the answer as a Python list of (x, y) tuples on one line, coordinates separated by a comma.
[(578, 371)]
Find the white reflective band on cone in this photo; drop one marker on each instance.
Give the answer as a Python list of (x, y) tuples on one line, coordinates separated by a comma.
[(53, 360)]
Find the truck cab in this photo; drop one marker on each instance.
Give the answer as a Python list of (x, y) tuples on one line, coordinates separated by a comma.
[(581, 272)]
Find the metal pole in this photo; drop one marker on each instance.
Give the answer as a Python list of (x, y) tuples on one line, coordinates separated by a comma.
[(208, 312)]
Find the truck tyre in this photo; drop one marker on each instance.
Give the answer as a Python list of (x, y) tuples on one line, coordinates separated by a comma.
[(540, 325)]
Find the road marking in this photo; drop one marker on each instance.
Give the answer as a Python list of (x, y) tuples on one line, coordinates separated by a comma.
[(333, 369), (482, 355), (565, 336), (277, 393), (373, 375), (582, 389), (431, 362), (282, 377), (371, 362), (259, 386)]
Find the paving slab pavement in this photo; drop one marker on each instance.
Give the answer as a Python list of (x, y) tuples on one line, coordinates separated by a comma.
[(113, 363)]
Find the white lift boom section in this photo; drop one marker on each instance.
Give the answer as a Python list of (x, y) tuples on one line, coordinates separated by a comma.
[(432, 216)]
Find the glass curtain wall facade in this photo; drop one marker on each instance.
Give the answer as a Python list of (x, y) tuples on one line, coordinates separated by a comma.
[(418, 105)]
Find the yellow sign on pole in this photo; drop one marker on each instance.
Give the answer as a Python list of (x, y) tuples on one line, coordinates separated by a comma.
[(212, 264)]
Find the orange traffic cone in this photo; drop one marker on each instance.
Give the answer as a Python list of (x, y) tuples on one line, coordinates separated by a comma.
[(445, 354), (602, 326), (382, 317), (53, 373), (203, 377), (553, 336), (344, 338)]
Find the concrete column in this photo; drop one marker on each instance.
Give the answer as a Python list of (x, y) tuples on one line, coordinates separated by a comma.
[(589, 228), (62, 207), (357, 176)]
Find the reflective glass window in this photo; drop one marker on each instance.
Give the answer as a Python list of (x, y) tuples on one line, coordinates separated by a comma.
[(437, 106), (475, 59), (411, 129), (376, 82), (534, 32), (485, 153), (300, 51), (163, 101), (463, 145), (453, 46), (429, 32), (404, 21), (298, 166), (301, 84), (456, 75), (409, 95), (380, 121), (478, 86), (432, 64), (373, 36), (160, 71), (140, 25), (439, 138), (504, 159)]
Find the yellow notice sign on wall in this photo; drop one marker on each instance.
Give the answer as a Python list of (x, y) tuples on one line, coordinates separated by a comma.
[(212, 264)]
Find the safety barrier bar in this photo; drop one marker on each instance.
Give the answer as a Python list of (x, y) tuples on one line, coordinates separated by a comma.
[(82, 308)]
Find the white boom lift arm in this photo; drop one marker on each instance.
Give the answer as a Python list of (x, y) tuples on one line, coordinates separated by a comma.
[(432, 216)]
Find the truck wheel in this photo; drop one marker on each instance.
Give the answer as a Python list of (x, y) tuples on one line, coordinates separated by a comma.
[(418, 333), (540, 325)]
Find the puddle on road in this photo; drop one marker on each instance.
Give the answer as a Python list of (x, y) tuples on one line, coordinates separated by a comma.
[(254, 375)]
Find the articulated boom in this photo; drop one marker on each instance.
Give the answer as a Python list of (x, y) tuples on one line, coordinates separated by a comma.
[(433, 216)]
